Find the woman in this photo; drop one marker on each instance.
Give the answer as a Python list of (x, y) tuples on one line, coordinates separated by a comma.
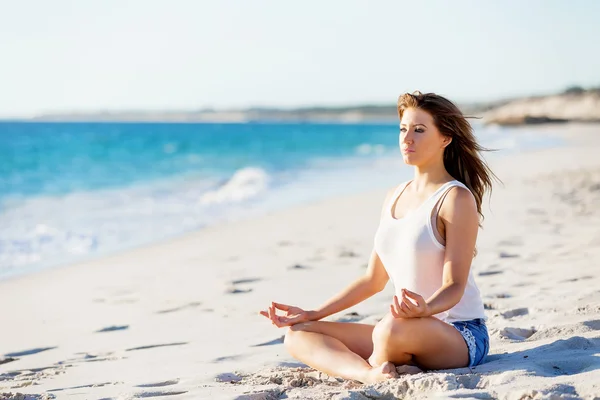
[(425, 244)]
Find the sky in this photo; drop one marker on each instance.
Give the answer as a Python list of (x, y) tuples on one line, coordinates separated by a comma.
[(66, 56)]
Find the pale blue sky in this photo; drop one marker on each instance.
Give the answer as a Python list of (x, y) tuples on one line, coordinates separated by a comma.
[(80, 55)]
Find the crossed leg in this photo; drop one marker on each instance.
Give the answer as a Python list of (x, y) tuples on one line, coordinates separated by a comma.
[(367, 353)]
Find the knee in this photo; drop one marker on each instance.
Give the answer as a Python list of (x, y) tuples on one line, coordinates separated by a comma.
[(291, 335), (389, 330)]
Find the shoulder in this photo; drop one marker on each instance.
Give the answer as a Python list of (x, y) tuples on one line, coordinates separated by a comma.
[(393, 190), (390, 195), (459, 202)]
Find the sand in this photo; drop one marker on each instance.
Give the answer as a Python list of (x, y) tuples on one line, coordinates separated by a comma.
[(180, 318)]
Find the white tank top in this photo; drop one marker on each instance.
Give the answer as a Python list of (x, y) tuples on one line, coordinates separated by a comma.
[(414, 258)]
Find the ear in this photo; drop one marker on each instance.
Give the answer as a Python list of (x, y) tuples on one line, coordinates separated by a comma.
[(446, 141)]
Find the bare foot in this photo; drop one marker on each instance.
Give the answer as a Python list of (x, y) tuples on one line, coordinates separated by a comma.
[(371, 361), (385, 371)]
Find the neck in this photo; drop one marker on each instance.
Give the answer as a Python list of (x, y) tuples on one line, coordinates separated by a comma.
[(432, 174)]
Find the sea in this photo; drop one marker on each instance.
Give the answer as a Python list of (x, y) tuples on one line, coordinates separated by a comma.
[(73, 191)]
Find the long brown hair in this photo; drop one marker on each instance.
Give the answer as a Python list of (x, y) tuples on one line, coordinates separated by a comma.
[(461, 157)]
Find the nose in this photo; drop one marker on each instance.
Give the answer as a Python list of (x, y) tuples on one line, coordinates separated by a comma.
[(406, 137)]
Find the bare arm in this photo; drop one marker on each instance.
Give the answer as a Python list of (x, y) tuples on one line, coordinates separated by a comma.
[(461, 221), (374, 281)]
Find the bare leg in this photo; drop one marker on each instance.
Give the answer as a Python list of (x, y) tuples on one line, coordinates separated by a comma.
[(426, 342), (338, 349)]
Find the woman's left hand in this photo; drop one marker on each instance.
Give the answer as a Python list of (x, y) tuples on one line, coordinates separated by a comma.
[(412, 305)]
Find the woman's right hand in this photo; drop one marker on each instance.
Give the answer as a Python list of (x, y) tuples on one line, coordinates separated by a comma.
[(292, 315)]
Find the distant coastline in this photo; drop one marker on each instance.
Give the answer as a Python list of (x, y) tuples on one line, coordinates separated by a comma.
[(572, 105)]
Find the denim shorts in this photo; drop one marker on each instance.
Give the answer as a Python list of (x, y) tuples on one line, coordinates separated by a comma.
[(476, 336)]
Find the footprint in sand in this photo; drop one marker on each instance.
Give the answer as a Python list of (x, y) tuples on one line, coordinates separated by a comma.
[(279, 340), (350, 317), (565, 367), (581, 278), (569, 330), (517, 333), (84, 386), (233, 289), (523, 284), (159, 384), (226, 358), (504, 254), (183, 307), (153, 346), (91, 357), (345, 253), (490, 273), (244, 280), (21, 396), (113, 328), (298, 267), (144, 395), (228, 377), (29, 352), (517, 312)]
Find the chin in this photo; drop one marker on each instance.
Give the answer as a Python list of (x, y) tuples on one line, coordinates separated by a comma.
[(409, 159)]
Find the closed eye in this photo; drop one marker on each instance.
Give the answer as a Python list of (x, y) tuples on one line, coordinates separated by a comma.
[(418, 130)]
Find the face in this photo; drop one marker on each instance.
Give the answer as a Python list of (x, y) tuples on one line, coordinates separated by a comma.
[(421, 143)]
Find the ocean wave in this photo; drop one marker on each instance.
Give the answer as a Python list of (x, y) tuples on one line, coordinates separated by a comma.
[(369, 149), (40, 242), (244, 184)]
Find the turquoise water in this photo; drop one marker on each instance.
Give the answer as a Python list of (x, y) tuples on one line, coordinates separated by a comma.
[(73, 190)]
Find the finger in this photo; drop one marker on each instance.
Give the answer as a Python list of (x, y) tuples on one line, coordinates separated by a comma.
[(397, 304), (277, 319), (272, 315), (283, 307), (267, 315), (414, 296), (404, 309), (400, 313), (409, 304), (394, 312)]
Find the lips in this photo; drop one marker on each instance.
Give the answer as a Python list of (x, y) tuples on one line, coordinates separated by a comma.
[(408, 151)]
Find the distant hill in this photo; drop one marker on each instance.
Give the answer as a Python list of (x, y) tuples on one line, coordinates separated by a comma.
[(574, 104), (309, 114)]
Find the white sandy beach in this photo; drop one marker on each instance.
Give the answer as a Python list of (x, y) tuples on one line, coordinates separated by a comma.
[(180, 318)]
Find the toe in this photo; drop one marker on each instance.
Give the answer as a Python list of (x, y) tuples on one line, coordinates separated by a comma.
[(389, 369)]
